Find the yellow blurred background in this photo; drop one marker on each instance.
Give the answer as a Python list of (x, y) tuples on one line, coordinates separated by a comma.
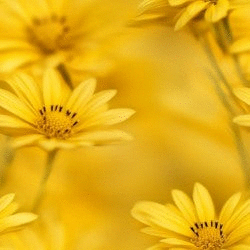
[(181, 136)]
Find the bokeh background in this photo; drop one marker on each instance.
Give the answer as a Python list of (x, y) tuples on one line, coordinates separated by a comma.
[(181, 136)]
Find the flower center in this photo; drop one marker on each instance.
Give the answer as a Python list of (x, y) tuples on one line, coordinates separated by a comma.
[(208, 235), (50, 34), (55, 122)]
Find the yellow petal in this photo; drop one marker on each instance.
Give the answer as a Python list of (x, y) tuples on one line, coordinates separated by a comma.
[(174, 242), (81, 95), (16, 220), (157, 215), (7, 121), (103, 137), (203, 203), (178, 2), (243, 94), (241, 45), (97, 100), (8, 210), (52, 89), (27, 90), (243, 120), (12, 104), (229, 208), (217, 11), (6, 200), (26, 140), (191, 11), (186, 206)]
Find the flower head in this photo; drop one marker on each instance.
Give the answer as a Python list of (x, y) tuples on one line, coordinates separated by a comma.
[(55, 117), (10, 221), (50, 33), (193, 224), (184, 11)]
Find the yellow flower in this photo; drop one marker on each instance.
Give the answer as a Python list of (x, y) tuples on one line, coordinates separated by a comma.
[(187, 10), (56, 117), (10, 221), (244, 95), (48, 33), (193, 224)]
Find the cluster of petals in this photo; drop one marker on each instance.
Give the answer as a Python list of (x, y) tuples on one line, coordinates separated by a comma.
[(190, 223)]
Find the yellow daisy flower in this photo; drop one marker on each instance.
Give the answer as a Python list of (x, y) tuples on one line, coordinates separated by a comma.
[(244, 95), (187, 10), (10, 221), (49, 33), (56, 117), (193, 224)]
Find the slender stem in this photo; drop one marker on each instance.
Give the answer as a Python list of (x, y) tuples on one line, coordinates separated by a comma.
[(65, 74), (8, 156), (243, 154), (48, 169)]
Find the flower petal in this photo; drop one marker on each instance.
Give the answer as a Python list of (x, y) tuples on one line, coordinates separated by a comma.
[(26, 140), (7, 121), (243, 120), (81, 95), (186, 206), (217, 11), (14, 105), (243, 94), (240, 46), (191, 11), (159, 216), (229, 208), (178, 2), (203, 203)]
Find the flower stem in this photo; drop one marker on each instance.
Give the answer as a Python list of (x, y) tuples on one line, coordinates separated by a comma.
[(48, 169), (8, 156), (65, 74)]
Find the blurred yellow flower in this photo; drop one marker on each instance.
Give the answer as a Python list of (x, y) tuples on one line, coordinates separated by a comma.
[(48, 33), (184, 11), (56, 117), (10, 221), (244, 95), (194, 224)]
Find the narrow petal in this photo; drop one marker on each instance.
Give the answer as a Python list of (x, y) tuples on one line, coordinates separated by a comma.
[(243, 94), (174, 242), (10, 61), (217, 11), (110, 117), (6, 200), (97, 101), (103, 136), (179, 2), (240, 46), (238, 216), (240, 247), (81, 95), (203, 203), (157, 232), (52, 89), (27, 90), (7, 121), (229, 208), (157, 215), (26, 140), (243, 120), (186, 206), (191, 11), (16, 220), (12, 104)]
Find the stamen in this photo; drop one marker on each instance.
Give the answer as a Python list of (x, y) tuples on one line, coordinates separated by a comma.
[(208, 236), (55, 123)]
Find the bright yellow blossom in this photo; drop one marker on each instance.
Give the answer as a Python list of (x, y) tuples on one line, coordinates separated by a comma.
[(56, 117), (49, 33), (10, 221), (183, 11), (193, 224)]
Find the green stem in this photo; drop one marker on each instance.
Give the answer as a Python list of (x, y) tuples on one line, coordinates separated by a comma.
[(65, 74), (49, 165)]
